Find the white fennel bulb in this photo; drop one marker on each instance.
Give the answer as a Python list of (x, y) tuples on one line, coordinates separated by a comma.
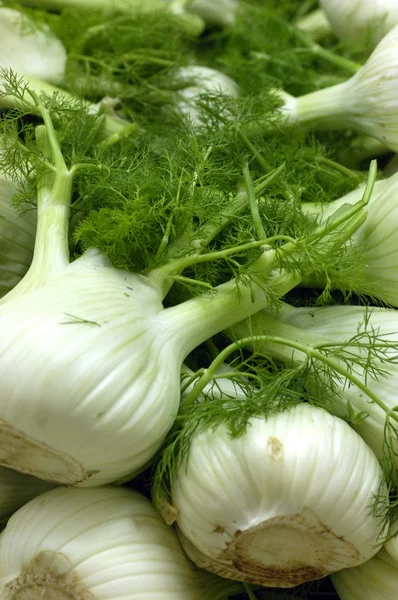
[(378, 237), (288, 501), (315, 24), (35, 54), (17, 238), (17, 489), (199, 80), (98, 544), (29, 50), (375, 328), (96, 385), (361, 20), (367, 102), (215, 12), (90, 359), (377, 579)]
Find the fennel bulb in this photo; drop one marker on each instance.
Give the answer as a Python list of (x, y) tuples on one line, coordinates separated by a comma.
[(286, 502), (30, 50), (96, 385), (361, 20), (368, 341), (199, 80), (215, 12), (377, 579), (40, 58), (315, 24), (102, 544), (367, 102), (17, 238), (90, 359), (378, 237)]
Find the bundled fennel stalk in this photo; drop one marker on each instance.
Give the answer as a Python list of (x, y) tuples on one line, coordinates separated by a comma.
[(92, 390)]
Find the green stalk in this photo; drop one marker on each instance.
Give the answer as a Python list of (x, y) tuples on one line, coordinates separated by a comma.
[(362, 148), (332, 165), (190, 23), (239, 205), (251, 196), (327, 55), (319, 109), (271, 259), (54, 197), (113, 125), (266, 323), (165, 276), (194, 321), (297, 339), (315, 25), (249, 591)]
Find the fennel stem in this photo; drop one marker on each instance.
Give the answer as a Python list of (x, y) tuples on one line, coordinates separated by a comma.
[(327, 55), (114, 126), (210, 229), (54, 194), (315, 25), (189, 23), (312, 352)]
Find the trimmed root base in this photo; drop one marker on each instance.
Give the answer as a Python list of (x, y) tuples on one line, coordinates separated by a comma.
[(24, 454), (280, 552), (47, 577)]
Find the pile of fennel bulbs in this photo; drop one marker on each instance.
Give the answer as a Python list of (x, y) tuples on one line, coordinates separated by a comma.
[(180, 415)]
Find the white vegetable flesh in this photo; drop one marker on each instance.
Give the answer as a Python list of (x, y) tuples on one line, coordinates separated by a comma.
[(367, 102), (97, 544), (90, 368), (29, 50), (337, 325), (17, 238), (200, 80), (377, 579), (361, 20), (215, 12), (286, 502), (378, 236)]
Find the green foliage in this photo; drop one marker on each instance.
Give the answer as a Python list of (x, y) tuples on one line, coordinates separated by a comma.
[(264, 50), (131, 57), (202, 201), (270, 388)]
